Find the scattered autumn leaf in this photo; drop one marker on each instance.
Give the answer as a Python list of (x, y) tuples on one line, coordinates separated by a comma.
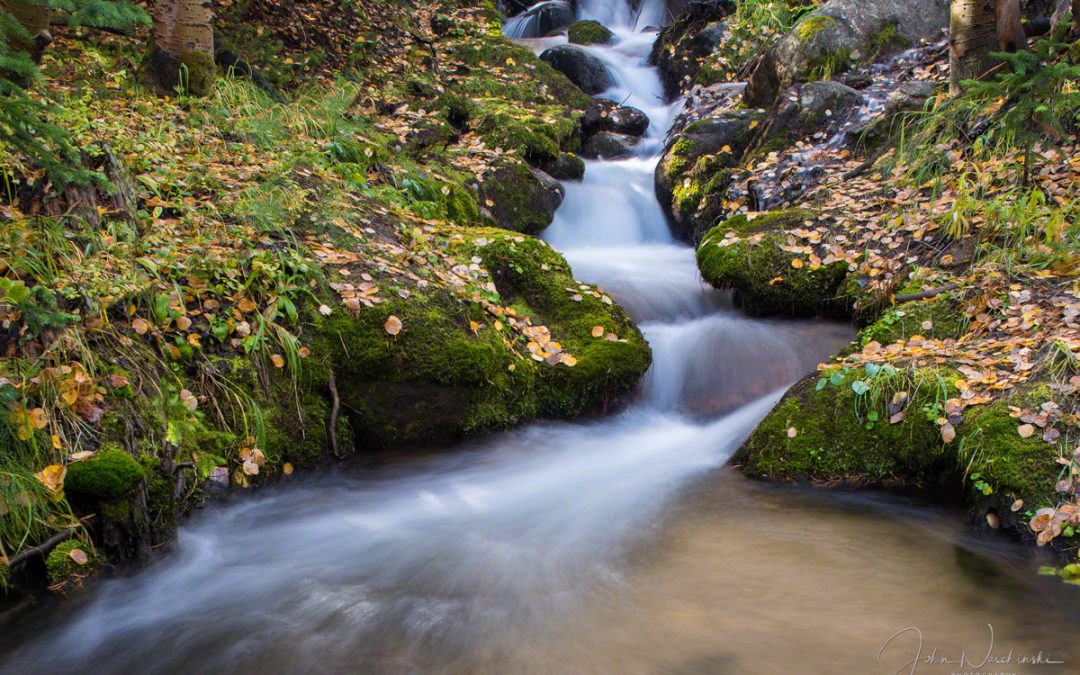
[(393, 325)]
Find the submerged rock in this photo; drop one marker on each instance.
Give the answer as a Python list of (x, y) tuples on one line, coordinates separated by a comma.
[(582, 68), (609, 145), (839, 34)]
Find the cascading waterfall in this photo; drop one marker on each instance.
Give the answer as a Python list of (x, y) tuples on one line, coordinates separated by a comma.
[(568, 547)]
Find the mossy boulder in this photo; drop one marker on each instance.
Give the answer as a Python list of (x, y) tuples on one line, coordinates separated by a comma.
[(566, 167), (696, 168), (66, 561), (110, 474), (539, 138), (765, 277), (589, 33), (831, 432), (839, 35), (455, 369), (822, 430), (520, 198)]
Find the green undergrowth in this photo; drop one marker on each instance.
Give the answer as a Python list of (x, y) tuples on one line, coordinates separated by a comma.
[(199, 339)]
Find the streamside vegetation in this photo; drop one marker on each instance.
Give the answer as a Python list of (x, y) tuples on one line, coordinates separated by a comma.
[(939, 212), (242, 243)]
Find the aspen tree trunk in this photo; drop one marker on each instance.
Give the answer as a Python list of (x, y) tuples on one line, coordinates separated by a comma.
[(1010, 27), (184, 26), (183, 46), (972, 36)]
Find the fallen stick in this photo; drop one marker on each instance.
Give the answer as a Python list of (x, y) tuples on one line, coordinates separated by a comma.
[(42, 549), (922, 295), (335, 408)]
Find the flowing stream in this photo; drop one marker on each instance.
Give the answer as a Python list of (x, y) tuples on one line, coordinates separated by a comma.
[(613, 546)]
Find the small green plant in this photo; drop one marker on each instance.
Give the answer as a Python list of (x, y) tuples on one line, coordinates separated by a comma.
[(980, 485)]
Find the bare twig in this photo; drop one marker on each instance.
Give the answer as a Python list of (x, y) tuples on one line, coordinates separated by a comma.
[(335, 409), (910, 297)]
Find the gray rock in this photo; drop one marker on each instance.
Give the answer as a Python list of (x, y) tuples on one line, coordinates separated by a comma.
[(842, 33), (855, 80), (909, 97), (604, 115), (679, 49), (809, 109), (540, 19), (583, 69), (609, 145)]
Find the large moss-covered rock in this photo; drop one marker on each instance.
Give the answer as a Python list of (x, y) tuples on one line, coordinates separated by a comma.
[(695, 169), (455, 369), (521, 198), (830, 432), (890, 436), (538, 139), (754, 263), (840, 34), (589, 33)]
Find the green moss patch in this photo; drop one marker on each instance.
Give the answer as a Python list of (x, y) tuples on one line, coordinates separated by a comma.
[(589, 33), (109, 474), (885, 430), (61, 562), (939, 318)]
